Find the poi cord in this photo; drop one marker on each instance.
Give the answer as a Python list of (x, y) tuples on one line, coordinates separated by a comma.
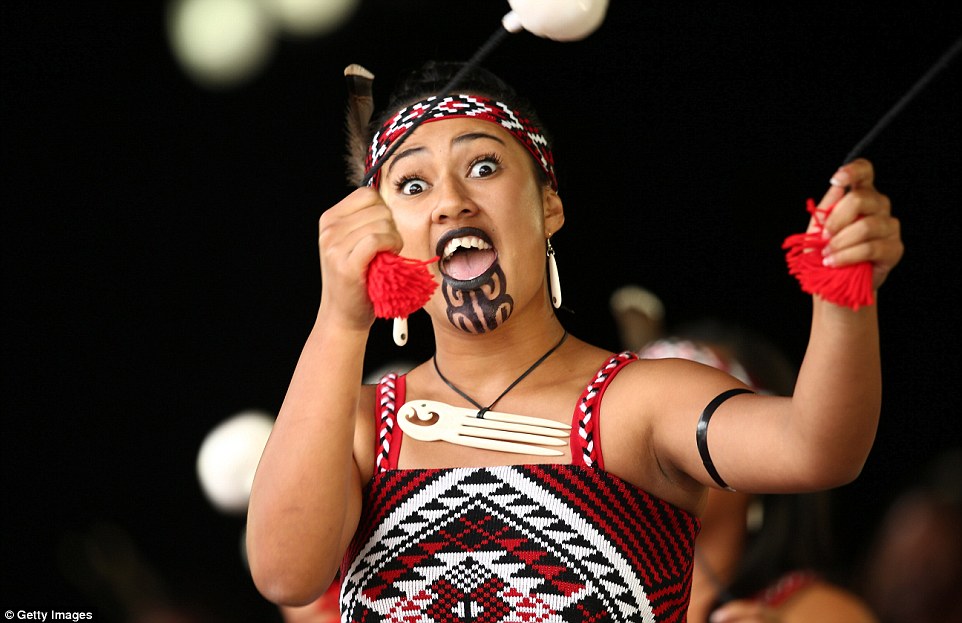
[(939, 65), (848, 286)]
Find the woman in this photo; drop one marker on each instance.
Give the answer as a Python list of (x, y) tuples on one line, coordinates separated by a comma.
[(443, 531)]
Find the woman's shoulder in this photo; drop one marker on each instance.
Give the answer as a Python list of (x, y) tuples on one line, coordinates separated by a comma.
[(664, 379)]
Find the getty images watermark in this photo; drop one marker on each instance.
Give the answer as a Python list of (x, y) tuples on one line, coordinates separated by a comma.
[(47, 615)]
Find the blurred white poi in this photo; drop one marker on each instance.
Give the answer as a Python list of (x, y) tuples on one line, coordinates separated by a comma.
[(220, 43), (228, 458), (307, 18)]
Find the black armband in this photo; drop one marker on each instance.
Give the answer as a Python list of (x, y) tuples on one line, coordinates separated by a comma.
[(701, 432)]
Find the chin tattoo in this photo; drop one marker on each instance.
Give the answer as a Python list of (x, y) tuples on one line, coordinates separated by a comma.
[(481, 308)]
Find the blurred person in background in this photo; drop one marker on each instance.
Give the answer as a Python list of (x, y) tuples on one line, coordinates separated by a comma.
[(913, 569)]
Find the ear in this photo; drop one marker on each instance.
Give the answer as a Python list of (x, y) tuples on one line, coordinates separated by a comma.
[(554, 213)]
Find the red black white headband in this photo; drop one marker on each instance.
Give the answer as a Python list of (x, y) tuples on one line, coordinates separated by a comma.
[(473, 106)]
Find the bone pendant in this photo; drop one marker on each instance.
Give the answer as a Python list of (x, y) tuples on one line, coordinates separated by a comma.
[(431, 420)]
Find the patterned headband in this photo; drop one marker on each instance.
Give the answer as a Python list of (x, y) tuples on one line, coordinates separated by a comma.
[(474, 106)]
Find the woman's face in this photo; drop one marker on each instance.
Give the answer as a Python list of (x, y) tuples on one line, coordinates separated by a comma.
[(466, 190)]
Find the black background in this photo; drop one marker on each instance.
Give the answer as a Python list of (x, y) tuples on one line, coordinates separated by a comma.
[(159, 238)]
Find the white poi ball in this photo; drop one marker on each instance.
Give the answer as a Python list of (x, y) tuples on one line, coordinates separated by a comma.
[(228, 458), (310, 17), (220, 42), (561, 20)]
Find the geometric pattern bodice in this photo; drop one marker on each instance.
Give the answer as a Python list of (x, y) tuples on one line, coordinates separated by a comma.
[(537, 543)]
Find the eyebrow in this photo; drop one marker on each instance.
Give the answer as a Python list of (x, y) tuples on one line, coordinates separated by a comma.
[(461, 138)]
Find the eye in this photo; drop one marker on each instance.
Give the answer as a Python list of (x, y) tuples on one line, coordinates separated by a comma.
[(485, 166), (411, 186)]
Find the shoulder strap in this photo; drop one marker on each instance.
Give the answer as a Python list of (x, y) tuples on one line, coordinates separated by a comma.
[(387, 444), (586, 445)]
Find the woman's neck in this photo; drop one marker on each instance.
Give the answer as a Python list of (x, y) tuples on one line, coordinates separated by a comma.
[(502, 355)]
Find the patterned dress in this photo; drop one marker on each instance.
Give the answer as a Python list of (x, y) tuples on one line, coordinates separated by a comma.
[(515, 543)]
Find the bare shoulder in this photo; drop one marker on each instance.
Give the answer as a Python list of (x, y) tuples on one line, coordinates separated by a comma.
[(633, 406), (650, 413), (823, 601), (667, 386)]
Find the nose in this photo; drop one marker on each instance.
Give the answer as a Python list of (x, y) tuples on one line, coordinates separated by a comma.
[(453, 200)]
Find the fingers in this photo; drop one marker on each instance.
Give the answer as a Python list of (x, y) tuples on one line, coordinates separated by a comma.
[(356, 228), (855, 174), (856, 204), (873, 239), (350, 234), (860, 227), (744, 611)]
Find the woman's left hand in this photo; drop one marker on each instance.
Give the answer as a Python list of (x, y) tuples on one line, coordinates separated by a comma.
[(861, 226)]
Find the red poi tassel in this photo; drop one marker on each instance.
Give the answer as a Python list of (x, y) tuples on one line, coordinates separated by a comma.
[(849, 286), (398, 286)]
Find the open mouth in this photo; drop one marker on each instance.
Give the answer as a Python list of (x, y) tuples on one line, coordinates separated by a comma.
[(466, 254)]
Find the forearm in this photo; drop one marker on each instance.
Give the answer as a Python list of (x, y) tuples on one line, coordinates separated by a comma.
[(306, 492), (837, 398)]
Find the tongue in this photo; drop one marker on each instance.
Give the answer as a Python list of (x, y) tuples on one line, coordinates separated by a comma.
[(468, 264)]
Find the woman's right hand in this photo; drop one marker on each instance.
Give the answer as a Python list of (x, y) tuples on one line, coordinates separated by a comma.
[(350, 234)]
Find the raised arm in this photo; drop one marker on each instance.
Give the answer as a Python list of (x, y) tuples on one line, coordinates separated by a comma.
[(821, 436), (306, 496)]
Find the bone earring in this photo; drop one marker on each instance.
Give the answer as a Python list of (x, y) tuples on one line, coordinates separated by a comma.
[(400, 331), (554, 281)]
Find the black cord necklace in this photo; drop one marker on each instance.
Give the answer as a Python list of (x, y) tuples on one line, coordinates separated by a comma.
[(483, 410)]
